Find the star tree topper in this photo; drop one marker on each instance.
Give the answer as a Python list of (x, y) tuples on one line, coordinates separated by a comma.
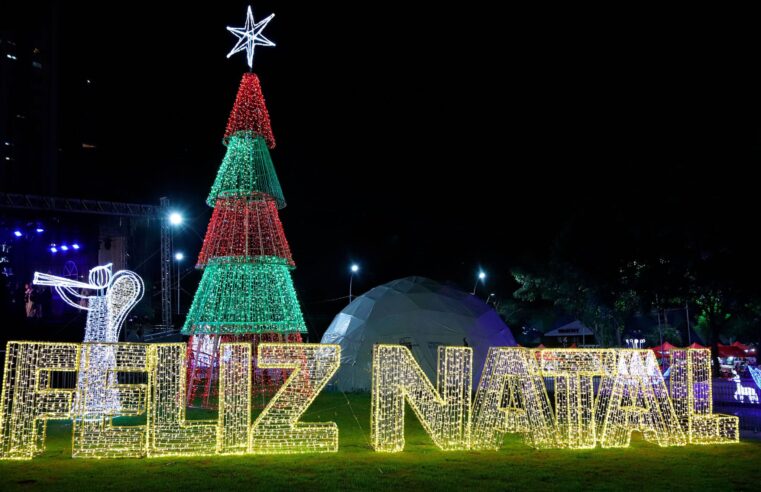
[(249, 36)]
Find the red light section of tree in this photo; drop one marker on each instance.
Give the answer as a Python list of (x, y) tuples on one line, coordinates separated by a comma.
[(249, 112)]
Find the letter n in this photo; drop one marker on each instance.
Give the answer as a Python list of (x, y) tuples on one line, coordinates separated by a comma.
[(444, 414)]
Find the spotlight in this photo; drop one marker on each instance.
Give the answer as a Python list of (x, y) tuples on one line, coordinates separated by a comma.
[(64, 247), (75, 246), (40, 230), (53, 249), (17, 233), (175, 218)]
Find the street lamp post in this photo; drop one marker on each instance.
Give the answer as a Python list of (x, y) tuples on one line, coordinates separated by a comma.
[(481, 277), (179, 257), (175, 220), (354, 269)]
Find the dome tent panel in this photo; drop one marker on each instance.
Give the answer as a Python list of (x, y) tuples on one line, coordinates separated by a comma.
[(419, 313)]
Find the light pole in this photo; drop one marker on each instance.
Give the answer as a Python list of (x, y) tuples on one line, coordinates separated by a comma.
[(481, 276), (489, 298), (179, 257), (175, 220), (354, 269)]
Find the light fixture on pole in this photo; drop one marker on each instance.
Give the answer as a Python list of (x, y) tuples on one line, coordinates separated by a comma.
[(175, 218), (480, 278), (354, 269), (179, 257)]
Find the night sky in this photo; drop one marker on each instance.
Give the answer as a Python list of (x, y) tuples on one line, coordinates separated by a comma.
[(424, 140)]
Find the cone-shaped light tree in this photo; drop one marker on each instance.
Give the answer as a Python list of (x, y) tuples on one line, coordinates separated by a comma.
[(246, 292)]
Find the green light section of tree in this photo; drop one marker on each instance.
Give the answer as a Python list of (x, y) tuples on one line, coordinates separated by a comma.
[(245, 298), (246, 169)]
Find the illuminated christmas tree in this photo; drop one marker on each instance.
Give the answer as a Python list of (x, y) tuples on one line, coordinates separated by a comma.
[(246, 292)]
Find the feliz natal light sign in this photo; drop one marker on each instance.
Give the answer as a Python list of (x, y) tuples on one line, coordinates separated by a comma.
[(510, 398)]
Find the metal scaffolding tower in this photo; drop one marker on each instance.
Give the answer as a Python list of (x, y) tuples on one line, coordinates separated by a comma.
[(98, 207), (166, 265)]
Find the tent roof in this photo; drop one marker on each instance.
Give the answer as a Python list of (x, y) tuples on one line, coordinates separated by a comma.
[(573, 329), (665, 346), (419, 313), (730, 351)]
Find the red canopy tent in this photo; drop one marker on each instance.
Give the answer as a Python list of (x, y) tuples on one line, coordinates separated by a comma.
[(731, 351), (663, 350), (745, 348), (696, 345)]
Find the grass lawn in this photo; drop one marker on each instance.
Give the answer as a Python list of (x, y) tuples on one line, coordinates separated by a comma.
[(643, 466)]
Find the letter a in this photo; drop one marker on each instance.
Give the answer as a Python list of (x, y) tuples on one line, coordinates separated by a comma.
[(512, 397), (636, 398)]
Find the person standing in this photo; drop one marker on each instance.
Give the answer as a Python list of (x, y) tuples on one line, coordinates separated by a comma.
[(28, 302)]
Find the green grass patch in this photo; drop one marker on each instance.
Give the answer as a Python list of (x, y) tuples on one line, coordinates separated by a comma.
[(643, 466)]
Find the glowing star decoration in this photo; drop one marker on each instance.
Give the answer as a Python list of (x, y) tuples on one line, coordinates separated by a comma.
[(115, 294), (28, 399), (249, 36), (277, 430), (444, 414), (95, 435), (512, 398), (691, 394), (635, 398), (573, 371)]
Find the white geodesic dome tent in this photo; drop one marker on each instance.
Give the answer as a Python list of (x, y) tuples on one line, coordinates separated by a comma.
[(419, 313)]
